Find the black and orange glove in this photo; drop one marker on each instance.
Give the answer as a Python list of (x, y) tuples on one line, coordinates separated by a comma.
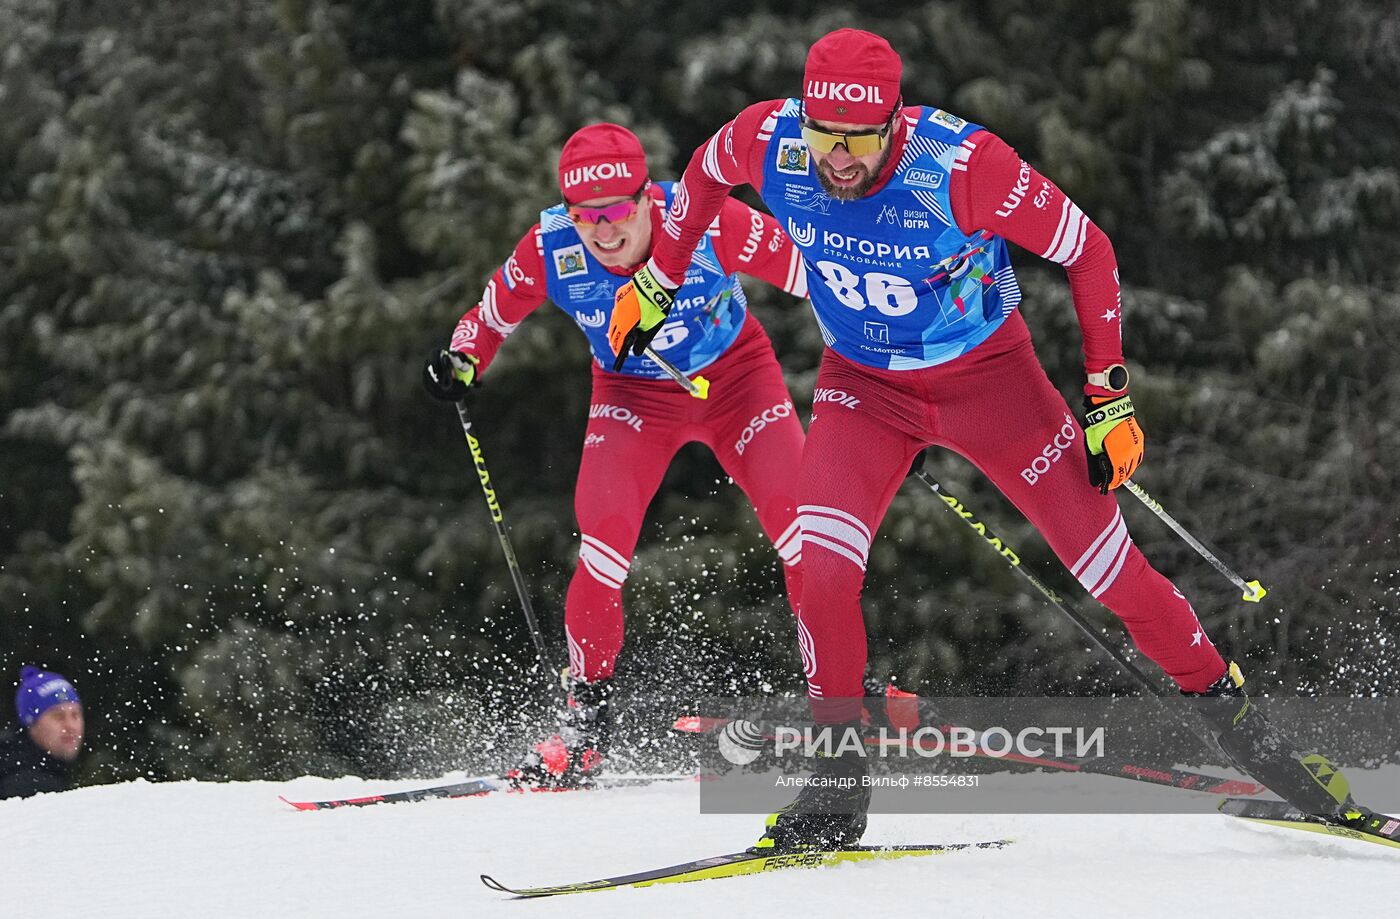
[(1113, 440), (639, 308)]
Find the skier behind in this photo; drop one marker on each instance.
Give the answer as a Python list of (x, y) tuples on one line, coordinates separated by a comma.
[(579, 253), (902, 214)]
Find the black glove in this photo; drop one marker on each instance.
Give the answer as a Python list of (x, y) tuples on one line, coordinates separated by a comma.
[(449, 374)]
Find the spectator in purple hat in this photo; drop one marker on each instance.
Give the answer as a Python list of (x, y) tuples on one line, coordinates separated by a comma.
[(40, 755)]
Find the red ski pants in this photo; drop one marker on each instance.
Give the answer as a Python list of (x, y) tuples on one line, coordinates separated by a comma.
[(996, 407), (635, 427)]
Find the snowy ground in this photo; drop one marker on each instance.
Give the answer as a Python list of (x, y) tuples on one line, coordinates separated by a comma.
[(234, 850)]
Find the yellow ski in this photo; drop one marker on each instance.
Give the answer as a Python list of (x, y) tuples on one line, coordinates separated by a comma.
[(1381, 829), (740, 863)]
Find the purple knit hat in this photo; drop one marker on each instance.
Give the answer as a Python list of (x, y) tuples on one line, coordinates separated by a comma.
[(39, 691)]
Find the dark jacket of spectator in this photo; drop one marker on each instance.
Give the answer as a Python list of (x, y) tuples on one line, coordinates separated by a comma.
[(27, 770)]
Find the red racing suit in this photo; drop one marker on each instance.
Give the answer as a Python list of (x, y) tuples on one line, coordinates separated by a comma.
[(637, 423), (909, 381)]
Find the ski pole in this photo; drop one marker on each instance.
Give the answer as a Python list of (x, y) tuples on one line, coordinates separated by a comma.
[(699, 387), (1253, 590), (498, 521), (1006, 552), (1014, 560)]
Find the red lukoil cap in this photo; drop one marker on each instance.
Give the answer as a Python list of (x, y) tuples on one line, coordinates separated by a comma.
[(601, 161), (851, 76)]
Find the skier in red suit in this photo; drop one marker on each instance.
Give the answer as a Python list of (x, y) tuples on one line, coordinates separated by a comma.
[(902, 214), (577, 256)]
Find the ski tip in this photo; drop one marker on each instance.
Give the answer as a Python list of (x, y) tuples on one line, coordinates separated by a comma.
[(698, 724), (494, 884), (298, 805)]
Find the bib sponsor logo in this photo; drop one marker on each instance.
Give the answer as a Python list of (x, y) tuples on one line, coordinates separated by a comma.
[(759, 422), (593, 440), (793, 157), (683, 306), (922, 177), (602, 172), (804, 235), (570, 261), (617, 413), (1051, 453), (594, 320), (888, 214), (877, 331), (591, 290), (915, 220), (807, 199), (844, 92), (871, 249), (838, 396), (951, 122)]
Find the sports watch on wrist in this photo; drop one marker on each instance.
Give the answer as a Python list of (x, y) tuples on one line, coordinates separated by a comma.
[(1113, 378)]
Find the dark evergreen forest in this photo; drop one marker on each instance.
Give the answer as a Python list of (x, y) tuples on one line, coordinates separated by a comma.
[(230, 233)]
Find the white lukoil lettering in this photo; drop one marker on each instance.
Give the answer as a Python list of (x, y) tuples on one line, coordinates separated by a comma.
[(1050, 453), (844, 92), (759, 422), (616, 413), (602, 172), (755, 237), (1013, 197), (839, 396)]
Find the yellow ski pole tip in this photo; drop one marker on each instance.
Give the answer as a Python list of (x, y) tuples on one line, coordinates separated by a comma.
[(702, 387), (1255, 593)]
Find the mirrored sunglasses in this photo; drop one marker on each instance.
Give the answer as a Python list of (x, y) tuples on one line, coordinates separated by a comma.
[(621, 212), (857, 143)]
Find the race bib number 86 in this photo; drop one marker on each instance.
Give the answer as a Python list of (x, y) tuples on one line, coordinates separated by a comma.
[(888, 293)]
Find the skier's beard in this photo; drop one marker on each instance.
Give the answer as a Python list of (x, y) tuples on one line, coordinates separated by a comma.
[(862, 187)]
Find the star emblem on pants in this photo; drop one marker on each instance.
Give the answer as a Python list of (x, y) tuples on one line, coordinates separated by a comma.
[(1196, 638), (1110, 315)]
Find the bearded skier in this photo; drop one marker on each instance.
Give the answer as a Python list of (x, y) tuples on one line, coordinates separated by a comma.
[(579, 253), (902, 214)]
